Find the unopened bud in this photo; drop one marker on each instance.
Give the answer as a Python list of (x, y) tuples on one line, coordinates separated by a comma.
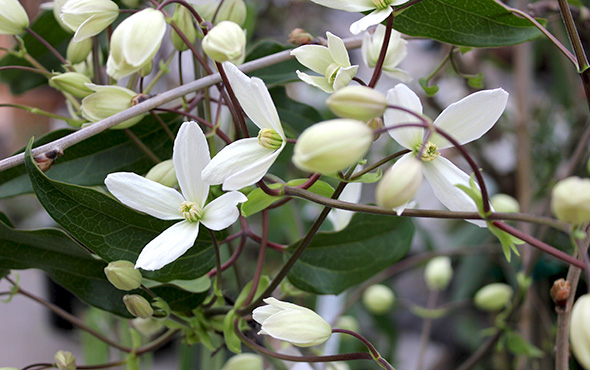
[(46, 160), (505, 203), (77, 52), (13, 18), (88, 17), (225, 42), (300, 37), (438, 273), (138, 306), (330, 146), (570, 200), (378, 299), (183, 19), (493, 297), (244, 361), (400, 183), (163, 173), (348, 323), (108, 100), (560, 292), (65, 360), (580, 330), (73, 83), (123, 275), (357, 102), (226, 10)]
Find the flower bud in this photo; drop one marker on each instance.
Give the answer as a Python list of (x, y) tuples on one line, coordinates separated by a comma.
[(560, 292), (13, 18), (65, 360), (395, 54), (106, 101), (147, 327), (138, 306), (225, 42), (505, 203), (135, 42), (438, 273), (88, 17), (399, 184), (348, 323), (183, 18), (229, 10), (580, 330), (378, 299), (123, 275), (570, 200), (73, 83), (77, 52), (163, 173), (244, 361), (357, 102), (300, 37), (493, 297), (330, 146), (297, 325)]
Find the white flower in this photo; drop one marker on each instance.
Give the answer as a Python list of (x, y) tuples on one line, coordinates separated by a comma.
[(340, 218), (88, 17), (297, 325), (396, 52), (381, 9), (246, 161), (465, 120), (191, 155), (331, 62)]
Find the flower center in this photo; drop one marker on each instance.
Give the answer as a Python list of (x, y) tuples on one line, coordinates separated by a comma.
[(332, 71), (381, 4), (191, 211), (270, 139), (430, 151)]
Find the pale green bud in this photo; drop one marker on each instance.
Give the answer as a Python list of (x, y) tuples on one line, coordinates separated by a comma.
[(505, 203), (580, 330), (138, 306), (347, 322), (163, 173), (183, 18), (13, 18), (88, 17), (229, 10), (225, 42), (65, 360), (73, 83), (244, 361), (378, 299), (330, 146), (147, 327), (77, 52), (438, 273), (357, 102), (570, 200), (493, 297), (123, 275), (108, 100), (399, 184)]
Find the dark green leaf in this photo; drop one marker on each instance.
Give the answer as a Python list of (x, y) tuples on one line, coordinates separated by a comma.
[(481, 23), (275, 74), (112, 230), (334, 262), (295, 116), (4, 273), (89, 162)]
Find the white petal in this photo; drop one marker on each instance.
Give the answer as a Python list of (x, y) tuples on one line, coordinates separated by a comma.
[(398, 74), (191, 155), (254, 98), (251, 173), (371, 19), (471, 117), (347, 5), (223, 211), (443, 176), (168, 246), (402, 96), (145, 195), (316, 81), (340, 218), (315, 57), (260, 314), (344, 76), (298, 328), (338, 50)]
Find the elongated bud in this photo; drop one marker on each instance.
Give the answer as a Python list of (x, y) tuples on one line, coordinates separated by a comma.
[(505, 203), (580, 330), (183, 18), (399, 184), (357, 102), (138, 306), (78, 51), (228, 10), (378, 299), (225, 42), (123, 275), (244, 361), (88, 17), (493, 297), (330, 146), (108, 100), (438, 273), (65, 360), (300, 37), (560, 292), (570, 200), (73, 83), (13, 18), (163, 173)]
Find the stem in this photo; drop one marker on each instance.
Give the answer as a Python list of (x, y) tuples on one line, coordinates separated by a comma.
[(237, 110), (374, 353), (45, 73), (98, 77), (160, 73), (260, 262), (217, 261), (163, 125), (426, 328), (42, 112), (312, 180), (379, 164), (147, 151), (266, 189), (382, 52), (215, 129), (573, 35), (232, 259), (50, 48)]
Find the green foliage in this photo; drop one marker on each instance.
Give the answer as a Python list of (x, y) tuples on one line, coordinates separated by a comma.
[(429, 90), (519, 346), (336, 261), (481, 23)]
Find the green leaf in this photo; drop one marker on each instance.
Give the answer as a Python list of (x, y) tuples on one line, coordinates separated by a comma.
[(276, 74), (295, 116), (95, 350), (112, 230), (476, 81), (429, 90), (481, 23), (232, 340), (370, 177), (335, 261), (89, 162), (197, 285), (263, 283), (520, 346)]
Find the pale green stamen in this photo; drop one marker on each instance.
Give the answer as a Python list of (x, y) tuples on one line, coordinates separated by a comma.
[(191, 211), (430, 151), (381, 4), (270, 139), (332, 71)]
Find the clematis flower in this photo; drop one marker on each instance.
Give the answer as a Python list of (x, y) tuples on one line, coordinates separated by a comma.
[(246, 161), (396, 52), (466, 120), (191, 155), (381, 9), (332, 63), (88, 17)]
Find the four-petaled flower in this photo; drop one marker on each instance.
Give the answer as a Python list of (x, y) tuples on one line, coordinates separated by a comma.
[(246, 161), (396, 52), (465, 120), (191, 155)]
